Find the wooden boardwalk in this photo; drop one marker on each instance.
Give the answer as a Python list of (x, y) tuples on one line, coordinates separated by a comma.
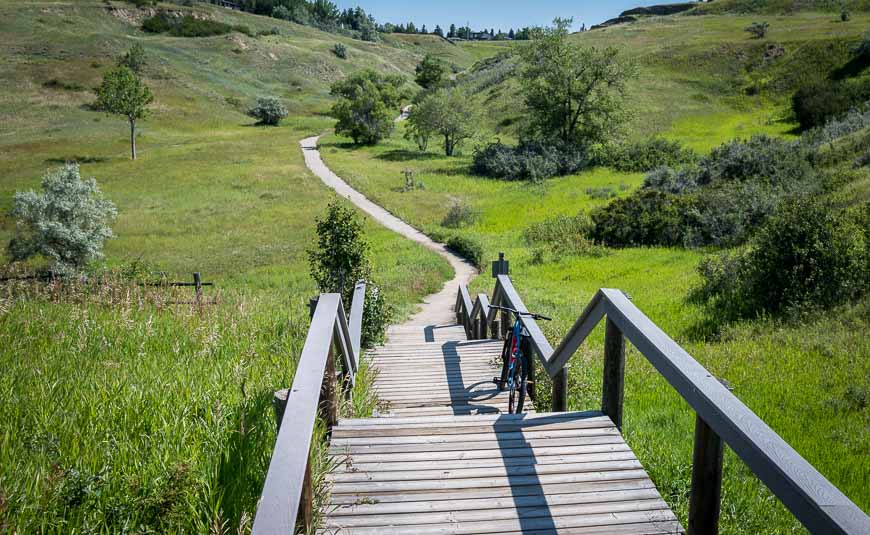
[(443, 457)]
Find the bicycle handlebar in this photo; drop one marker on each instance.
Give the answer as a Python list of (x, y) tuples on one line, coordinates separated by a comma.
[(518, 313)]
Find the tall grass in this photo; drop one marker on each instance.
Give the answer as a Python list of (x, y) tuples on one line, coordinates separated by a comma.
[(123, 412)]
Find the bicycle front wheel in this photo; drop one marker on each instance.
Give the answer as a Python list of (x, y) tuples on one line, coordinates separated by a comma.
[(517, 395)]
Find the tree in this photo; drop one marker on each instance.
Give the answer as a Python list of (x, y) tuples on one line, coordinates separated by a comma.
[(423, 30), (511, 34), (438, 31), (430, 72), (450, 113), (367, 105), (340, 260), (68, 222), (133, 59), (324, 12), (574, 94), (268, 111), (123, 93), (452, 32)]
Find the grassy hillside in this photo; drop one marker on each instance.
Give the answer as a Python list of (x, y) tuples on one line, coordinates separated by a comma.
[(123, 412), (703, 81)]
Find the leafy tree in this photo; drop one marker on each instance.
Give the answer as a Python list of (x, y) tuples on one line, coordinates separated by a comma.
[(340, 260), (438, 31), (68, 222), (367, 105), (293, 11), (511, 33), (574, 94), (423, 30), (452, 32), (133, 59), (450, 113), (430, 71), (123, 93), (268, 111), (324, 12)]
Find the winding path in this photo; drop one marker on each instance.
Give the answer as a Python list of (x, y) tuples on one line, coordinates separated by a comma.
[(436, 308)]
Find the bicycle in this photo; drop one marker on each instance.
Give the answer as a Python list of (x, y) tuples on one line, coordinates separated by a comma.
[(516, 364)]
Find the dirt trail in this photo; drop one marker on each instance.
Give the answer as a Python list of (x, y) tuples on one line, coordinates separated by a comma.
[(437, 308)]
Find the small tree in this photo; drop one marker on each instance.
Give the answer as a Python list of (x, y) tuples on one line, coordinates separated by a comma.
[(450, 113), (574, 94), (845, 15), (68, 222), (123, 93), (340, 260), (430, 72), (268, 111), (134, 59), (367, 104), (758, 29), (340, 51)]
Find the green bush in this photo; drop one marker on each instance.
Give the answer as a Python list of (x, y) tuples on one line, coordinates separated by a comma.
[(648, 217), (648, 155), (468, 248), (340, 51), (68, 222), (758, 29), (188, 26), (809, 254), (460, 215), (815, 104), (268, 111), (763, 158), (563, 235), (533, 161)]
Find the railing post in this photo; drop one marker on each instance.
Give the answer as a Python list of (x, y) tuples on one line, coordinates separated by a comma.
[(614, 373), (706, 480), (494, 328), (475, 329), (504, 323), (560, 391), (305, 518)]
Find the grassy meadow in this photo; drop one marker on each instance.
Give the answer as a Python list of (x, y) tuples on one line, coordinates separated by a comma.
[(122, 412), (806, 377)]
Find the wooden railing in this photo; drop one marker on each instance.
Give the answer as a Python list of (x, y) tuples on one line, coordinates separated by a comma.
[(287, 499), (720, 416)]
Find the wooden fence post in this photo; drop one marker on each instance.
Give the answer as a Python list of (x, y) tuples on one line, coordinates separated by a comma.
[(614, 373), (560, 391), (305, 518), (706, 494), (197, 283), (279, 403)]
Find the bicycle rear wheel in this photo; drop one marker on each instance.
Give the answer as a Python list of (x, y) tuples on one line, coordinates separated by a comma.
[(517, 395)]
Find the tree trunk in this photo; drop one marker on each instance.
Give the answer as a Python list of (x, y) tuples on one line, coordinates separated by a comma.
[(448, 146), (133, 138)]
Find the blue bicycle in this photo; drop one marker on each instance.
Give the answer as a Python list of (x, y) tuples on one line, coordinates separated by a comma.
[(516, 364)]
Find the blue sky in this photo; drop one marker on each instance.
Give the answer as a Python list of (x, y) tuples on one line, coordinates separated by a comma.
[(492, 13)]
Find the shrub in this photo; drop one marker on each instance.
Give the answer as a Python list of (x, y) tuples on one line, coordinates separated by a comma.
[(460, 215), (670, 180), (68, 222), (648, 217), (648, 155), (411, 183), (601, 193), (188, 26), (758, 29), (857, 119), (533, 161), (768, 159), (563, 235), (468, 248), (268, 111), (54, 83), (845, 15), (808, 254), (815, 104), (340, 50)]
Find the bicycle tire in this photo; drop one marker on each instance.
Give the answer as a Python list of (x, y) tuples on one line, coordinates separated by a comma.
[(517, 395)]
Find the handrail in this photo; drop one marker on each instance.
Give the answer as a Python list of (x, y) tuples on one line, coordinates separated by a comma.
[(721, 416), (287, 495), (356, 316), (463, 309)]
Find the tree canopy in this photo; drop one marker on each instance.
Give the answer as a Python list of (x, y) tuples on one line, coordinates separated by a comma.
[(430, 71), (575, 94), (447, 112), (123, 93), (368, 102)]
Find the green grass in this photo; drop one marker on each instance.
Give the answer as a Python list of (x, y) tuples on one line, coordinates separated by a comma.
[(807, 378)]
